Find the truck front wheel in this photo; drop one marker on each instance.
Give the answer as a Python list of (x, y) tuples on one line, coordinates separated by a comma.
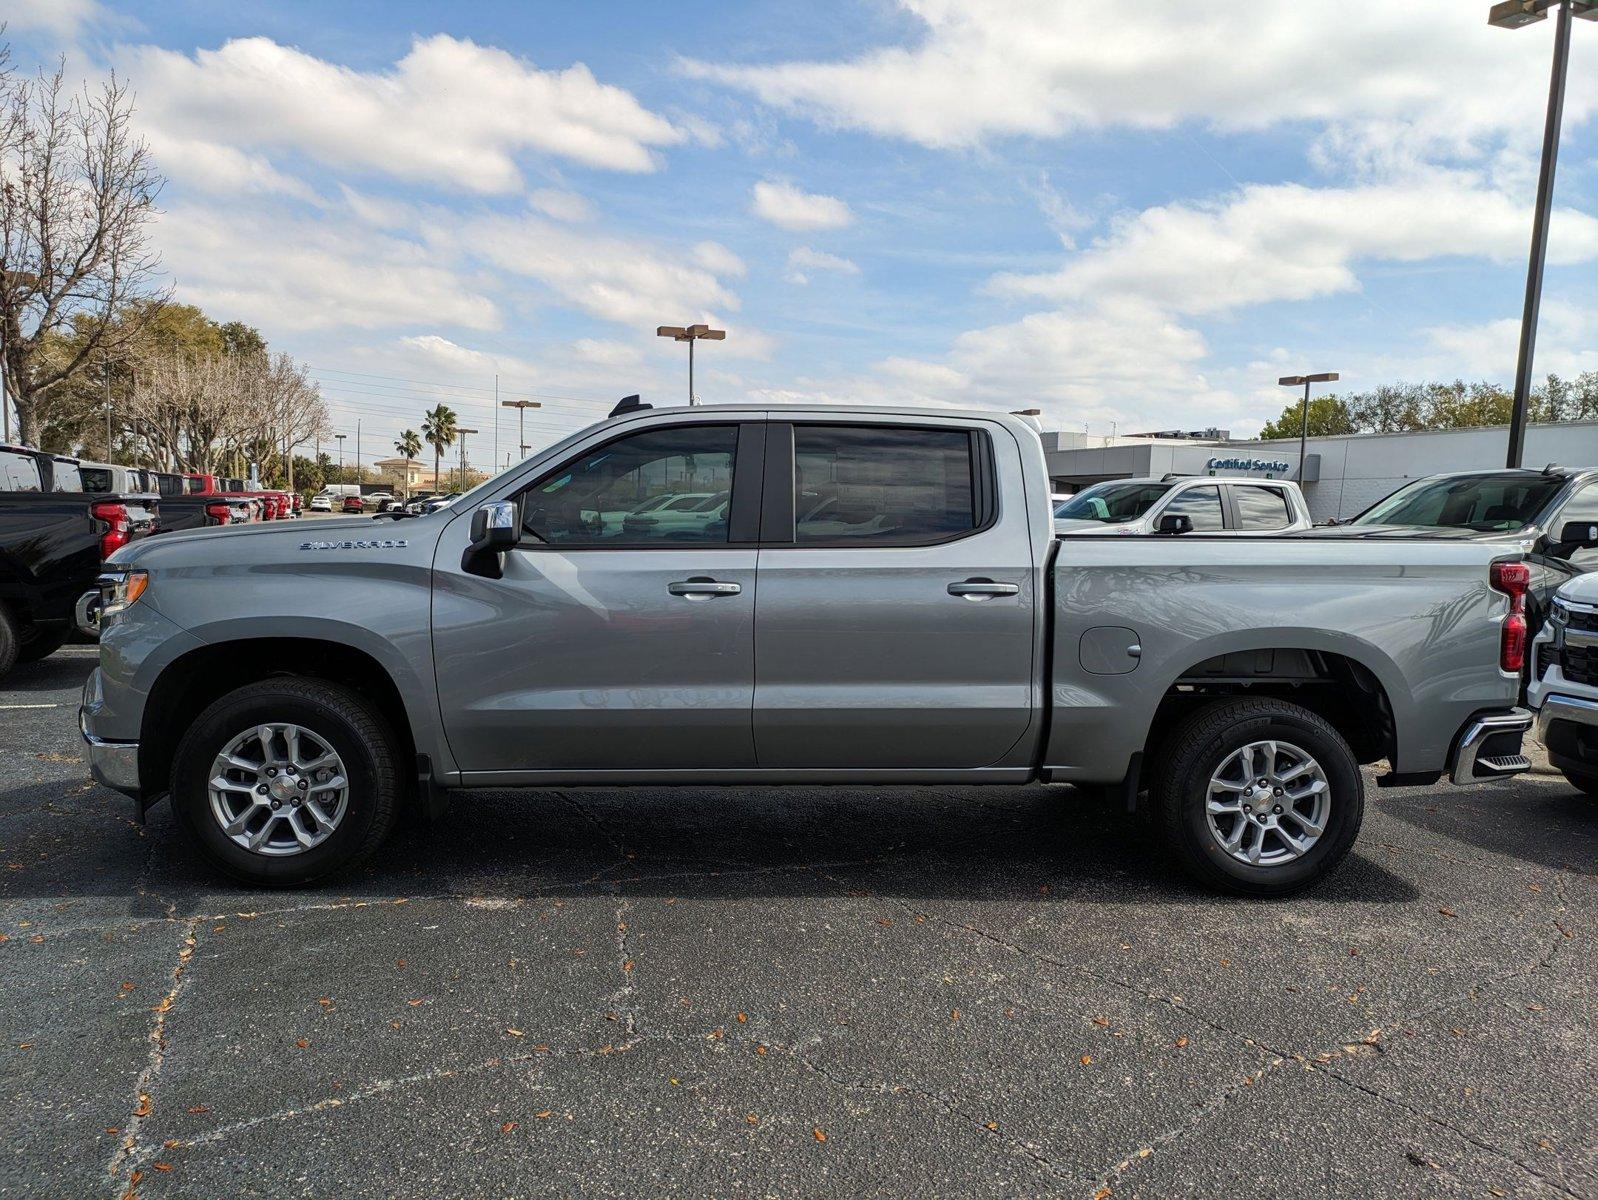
[(286, 780), (1259, 797)]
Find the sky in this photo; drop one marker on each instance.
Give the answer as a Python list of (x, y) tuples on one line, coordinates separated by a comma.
[(1131, 217)]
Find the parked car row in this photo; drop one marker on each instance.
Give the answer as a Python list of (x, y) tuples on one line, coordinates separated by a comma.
[(62, 517)]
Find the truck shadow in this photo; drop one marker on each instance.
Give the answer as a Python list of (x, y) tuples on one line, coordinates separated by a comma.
[(57, 673), (1033, 845), (1537, 819)]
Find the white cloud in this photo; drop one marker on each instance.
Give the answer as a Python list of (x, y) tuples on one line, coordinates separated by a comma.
[(282, 272), (216, 168), (431, 352), (561, 204), (1488, 350), (450, 112), (803, 260), (1288, 242), (1042, 68), (59, 18), (789, 208)]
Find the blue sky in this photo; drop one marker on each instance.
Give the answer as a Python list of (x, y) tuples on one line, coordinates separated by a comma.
[(1132, 216)]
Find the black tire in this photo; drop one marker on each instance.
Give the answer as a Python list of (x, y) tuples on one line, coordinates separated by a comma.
[(341, 717), (1198, 747), (1582, 783), (41, 642), (10, 642)]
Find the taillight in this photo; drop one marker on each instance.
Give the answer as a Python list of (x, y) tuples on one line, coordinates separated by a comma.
[(115, 516), (1512, 578), (218, 514)]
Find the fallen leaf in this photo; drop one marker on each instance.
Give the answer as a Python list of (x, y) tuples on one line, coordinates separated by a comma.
[(36, 938), (514, 1032), (413, 1003), (394, 1025), (742, 1018), (162, 1166), (818, 1135), (171, 1144), (507, 1126), (1103, 1193), (144, 1106), (400, 963), (628, 965), (884, 921), (1102, 1022), (127, 985), (752, 1119), (301, 1043), (1181, 1042), (544, 1116), (992, 1127), (760, 1049), (197, 1109), (954, 1014), (1448, 912), (1087, 1060)]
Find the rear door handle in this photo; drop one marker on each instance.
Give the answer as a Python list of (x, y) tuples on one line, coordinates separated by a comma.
[(696, 589), (977, 589)]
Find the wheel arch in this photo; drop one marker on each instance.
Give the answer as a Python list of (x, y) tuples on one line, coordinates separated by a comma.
[(197, 678)]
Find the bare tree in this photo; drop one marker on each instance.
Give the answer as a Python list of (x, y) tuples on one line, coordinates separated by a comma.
[(77, 191)]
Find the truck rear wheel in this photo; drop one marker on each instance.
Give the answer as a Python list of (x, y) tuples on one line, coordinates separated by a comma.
[(40, 641), (1259, 797), (286, 780), (9, 641)]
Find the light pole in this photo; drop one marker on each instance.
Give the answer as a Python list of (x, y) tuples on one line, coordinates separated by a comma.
[(341, 437), (1303, 429), (1513, 14), (463, 431), (691, 334), (521, 407)]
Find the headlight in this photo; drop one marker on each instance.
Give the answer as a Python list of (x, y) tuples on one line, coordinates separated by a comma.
[(1560, 614), (120, 590)]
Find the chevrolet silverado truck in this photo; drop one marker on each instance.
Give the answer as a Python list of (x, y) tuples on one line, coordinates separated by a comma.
[(883, 600)]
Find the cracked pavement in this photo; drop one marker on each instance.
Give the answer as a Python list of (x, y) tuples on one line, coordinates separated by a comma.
[(790, 992)]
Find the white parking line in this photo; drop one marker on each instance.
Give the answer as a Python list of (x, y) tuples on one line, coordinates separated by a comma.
[(30, 706)]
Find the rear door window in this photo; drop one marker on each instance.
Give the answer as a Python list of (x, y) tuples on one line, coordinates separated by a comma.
[(1202, 505), (64, 476), (858, 485), (1260, 509)]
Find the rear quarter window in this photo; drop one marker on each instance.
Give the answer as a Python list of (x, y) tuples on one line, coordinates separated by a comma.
[(1261, 508), (19, 473)]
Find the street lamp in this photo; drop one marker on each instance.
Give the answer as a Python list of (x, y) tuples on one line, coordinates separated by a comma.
[(463, 431), (691, 334), (1303, 429), (341, 437), (521, 407), (1514, 14)]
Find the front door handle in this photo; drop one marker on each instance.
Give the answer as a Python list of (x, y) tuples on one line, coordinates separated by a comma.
[(697, 589), (980, 589)]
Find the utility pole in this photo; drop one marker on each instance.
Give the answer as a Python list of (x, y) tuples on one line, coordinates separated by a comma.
[(108, 410), (521, 407), (1515, 14), (1303, 429), (357, 452), (691, 334), (495, 459), (339, 437), (463, 431)]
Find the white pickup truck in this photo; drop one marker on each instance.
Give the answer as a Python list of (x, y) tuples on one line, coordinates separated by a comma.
[(1185, 504), (882, 601)]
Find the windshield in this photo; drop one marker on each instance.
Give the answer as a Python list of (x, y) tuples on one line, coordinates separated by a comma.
[(1485, 503), (1112, 502)]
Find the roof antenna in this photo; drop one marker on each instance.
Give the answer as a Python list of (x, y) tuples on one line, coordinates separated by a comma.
[(1551, 468), (629, 404)]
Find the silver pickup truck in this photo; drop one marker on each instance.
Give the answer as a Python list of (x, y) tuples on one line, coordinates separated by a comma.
[(877, 597)]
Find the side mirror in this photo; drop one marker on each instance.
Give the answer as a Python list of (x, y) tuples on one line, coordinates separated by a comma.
[(495, 529), (1175, 523), (1578, 535)]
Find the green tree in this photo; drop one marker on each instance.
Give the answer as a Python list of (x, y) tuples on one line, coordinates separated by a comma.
[(438, 431), (1328, 416), (409, 444)]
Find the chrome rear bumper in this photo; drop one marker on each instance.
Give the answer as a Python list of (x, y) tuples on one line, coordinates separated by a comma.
[(1477, 759)]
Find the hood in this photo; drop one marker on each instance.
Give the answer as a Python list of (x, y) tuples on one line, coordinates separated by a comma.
[(1583, 589), (1080, 525), (257, 540)]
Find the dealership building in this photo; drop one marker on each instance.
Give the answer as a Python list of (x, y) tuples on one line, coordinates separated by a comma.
[(1342, 475)]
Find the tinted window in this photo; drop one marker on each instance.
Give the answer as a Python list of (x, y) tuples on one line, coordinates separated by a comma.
[(862, 486), (1260, 508), (1486, 503), (64, 476), (1583, 506), (18, 472), (1202, 505), (1112, 502), (96, 479), (169, 485), (662, 486)]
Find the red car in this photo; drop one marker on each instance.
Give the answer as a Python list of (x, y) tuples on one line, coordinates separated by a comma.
[(352, 504)]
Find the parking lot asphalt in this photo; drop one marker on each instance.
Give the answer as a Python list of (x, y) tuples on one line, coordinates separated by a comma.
[(789, 992)]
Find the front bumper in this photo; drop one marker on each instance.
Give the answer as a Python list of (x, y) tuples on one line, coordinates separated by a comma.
[(1568, 727), (1489, 747), (113, 764)]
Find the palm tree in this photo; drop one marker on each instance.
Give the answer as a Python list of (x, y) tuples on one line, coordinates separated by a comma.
[(408, 444), (438, 431)]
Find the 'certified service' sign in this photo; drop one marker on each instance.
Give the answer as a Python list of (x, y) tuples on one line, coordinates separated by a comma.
[(1271, 466)]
